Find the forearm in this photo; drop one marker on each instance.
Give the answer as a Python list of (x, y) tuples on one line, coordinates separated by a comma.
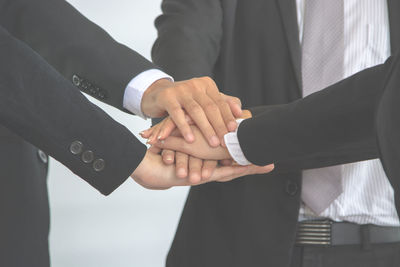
[(73, 45), (43, 108), (333, 126)]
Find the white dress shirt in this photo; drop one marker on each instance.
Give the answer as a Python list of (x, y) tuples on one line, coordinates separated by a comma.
[(368, 197), (137, 86)]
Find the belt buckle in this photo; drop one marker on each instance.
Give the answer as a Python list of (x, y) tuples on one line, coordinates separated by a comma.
[(318, 233)]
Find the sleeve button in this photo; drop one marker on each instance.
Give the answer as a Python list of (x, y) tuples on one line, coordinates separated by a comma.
[(76, 147), (102, 95), (42, 156), (98, 165), (87, 156), (76, 80)]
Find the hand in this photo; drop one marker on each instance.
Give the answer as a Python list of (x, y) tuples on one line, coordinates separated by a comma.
[(164, 129), (213, 112), (152, 173), (188, 166), (198, 149)]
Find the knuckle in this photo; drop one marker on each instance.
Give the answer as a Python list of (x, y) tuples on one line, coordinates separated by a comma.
[(211, 106), (184, 145), (208, 80), (236, 99), (175, 109), (166, 93), (222, 103), (193, 83), (194, 107)]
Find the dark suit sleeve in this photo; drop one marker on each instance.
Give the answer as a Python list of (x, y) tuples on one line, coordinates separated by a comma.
[(189, 35), (45, 109), (77, 48), (333, 126)]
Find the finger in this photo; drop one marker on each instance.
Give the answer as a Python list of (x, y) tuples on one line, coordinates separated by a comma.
[(178, 116), (235, 105), (228, 173), (155, 150), (196, 112), (208, 169), (168, 156), (146, 133), (226, 162), (261, 169), (251, 169), (182, 161), (166, 129), (221, 100), (213, 113), (226, 111), (174, 143), (156, 132), (195, 166)]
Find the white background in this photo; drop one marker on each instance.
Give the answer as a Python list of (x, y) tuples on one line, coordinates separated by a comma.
[(133, 226)]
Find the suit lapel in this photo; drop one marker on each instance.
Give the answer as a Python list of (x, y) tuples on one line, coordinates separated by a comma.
[(394, 21), (289, 19)]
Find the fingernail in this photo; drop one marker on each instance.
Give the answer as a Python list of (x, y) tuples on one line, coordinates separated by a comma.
[(214, 141), (181, 173), (169, 158), (195, 178)]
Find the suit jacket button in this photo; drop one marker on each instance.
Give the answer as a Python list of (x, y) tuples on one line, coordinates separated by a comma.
[(87, 156), (42, 156), (94, 90), (102, 95), (76, 80), (98, 165), (76, 147), (291, 188), (85, 85)]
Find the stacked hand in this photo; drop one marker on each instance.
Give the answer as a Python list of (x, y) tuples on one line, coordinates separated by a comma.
[(153, 173), (187, 146)]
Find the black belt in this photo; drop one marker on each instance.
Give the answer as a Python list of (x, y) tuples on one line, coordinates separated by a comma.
[(329, 233)]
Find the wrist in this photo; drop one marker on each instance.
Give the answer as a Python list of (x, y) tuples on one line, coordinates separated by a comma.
[(149, 99), (233, 145)]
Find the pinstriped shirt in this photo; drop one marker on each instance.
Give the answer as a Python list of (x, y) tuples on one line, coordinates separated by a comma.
[(367, 197)]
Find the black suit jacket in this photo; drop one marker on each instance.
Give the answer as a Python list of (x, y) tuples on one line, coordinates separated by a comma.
[(39, 108), (251, 49), (350, 121), (87, 56)]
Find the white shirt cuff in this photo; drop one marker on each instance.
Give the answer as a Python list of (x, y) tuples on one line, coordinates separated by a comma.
[(233, 146), (136, 88)]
